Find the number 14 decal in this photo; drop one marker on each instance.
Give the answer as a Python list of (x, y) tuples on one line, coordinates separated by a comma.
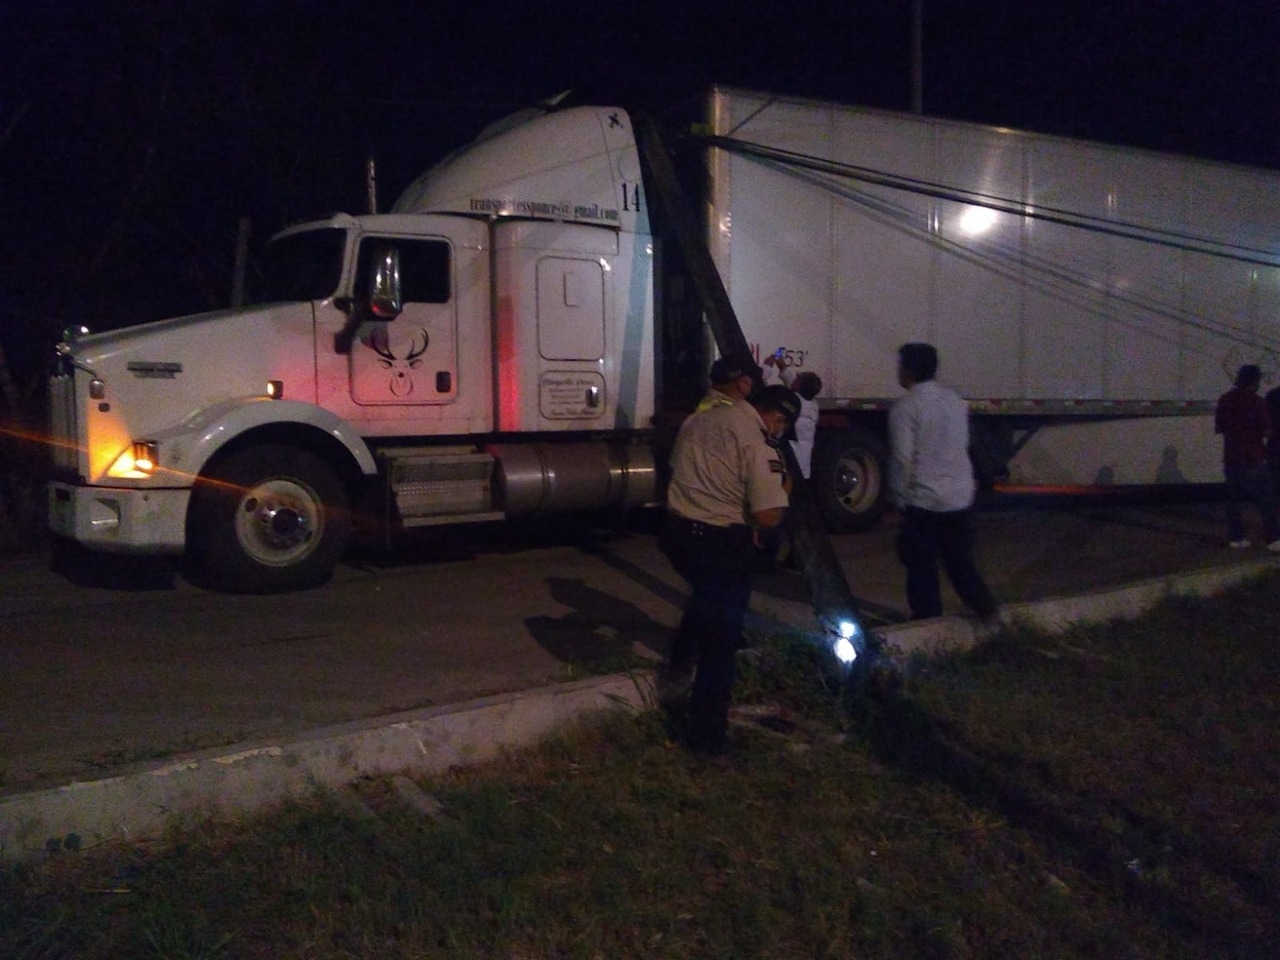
[(630, 196)]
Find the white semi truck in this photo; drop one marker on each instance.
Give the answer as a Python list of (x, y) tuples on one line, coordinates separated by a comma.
[(503, 342)]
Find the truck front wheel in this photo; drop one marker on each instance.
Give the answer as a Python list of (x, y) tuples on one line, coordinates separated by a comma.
[(849, 478), (270, 518)]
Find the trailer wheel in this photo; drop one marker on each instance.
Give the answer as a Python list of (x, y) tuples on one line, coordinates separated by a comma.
[(270, 518), (849, 478)]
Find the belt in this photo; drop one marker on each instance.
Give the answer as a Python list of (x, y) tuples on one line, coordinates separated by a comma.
[(700, 528)]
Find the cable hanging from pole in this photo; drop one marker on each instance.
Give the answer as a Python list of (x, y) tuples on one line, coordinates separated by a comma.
[(1118, 228)]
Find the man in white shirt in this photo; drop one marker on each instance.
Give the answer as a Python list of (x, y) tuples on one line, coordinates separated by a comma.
[(931, 481), (807, 385)]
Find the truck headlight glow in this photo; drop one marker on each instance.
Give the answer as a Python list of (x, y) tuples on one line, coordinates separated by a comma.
[(136, 463)]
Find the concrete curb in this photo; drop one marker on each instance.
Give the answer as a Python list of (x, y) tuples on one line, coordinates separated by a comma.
[(1059, 614), (139, 804), (1052, 615)]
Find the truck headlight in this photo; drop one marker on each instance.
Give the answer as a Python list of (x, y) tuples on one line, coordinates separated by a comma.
[(138, 462)]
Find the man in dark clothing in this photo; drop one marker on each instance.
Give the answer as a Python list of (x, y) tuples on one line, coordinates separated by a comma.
[(1245, 425)]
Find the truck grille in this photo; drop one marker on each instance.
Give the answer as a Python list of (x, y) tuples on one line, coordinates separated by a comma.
[(64, 430)]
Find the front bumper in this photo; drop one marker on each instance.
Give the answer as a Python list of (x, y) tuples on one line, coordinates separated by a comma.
[(120, 519)]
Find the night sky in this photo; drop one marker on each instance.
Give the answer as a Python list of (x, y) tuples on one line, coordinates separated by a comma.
[(135, 135)]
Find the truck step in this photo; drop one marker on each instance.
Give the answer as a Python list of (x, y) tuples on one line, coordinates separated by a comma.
[(440, 520), (434, 486)]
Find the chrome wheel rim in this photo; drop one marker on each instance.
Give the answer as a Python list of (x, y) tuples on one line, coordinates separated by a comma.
[(279, 522)]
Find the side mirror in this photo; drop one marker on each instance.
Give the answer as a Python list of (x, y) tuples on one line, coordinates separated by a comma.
[(385, 302)]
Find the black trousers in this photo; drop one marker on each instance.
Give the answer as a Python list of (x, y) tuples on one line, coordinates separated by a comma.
[(718, 563), (1251, 485), (927, 537)]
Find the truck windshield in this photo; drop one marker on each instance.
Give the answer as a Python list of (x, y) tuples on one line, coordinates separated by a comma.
[(303, 266)]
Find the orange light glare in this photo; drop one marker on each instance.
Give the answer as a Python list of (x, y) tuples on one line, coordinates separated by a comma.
[(136, 463)]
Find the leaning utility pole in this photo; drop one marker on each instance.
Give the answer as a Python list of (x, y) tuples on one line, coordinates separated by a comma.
[(833, 602)]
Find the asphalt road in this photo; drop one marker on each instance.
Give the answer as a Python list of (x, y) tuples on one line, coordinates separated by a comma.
[(103, 666)]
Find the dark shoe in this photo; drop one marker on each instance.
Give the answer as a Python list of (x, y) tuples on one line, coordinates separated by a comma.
[(720, 752)]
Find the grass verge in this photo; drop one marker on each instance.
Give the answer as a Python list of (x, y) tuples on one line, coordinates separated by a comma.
[(1108, 793)]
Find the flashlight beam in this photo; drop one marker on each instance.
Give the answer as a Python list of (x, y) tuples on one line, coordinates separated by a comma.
[(830, 595)]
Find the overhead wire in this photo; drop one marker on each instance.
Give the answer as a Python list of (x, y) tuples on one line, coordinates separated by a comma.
[(1014, 261), (1120, 228)]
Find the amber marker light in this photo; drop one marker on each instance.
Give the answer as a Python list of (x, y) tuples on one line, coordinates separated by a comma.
[(136, 463), (144, 455)]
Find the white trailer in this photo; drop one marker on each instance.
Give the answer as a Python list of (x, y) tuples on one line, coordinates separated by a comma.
[(1091, 302), (494, 346)]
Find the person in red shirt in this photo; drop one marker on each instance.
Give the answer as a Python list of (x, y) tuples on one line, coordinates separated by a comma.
[(1245, 425)]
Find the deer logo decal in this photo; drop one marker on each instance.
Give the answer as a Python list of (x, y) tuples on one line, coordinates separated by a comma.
[(401, 368)]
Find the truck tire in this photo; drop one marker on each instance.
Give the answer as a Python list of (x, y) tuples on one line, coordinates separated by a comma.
[(270, 518), (849, 478)]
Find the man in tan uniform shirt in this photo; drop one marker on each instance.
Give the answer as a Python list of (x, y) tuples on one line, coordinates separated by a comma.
[(727, 483)]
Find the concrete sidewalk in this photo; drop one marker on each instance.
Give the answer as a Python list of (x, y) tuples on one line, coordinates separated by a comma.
[(138, 804)]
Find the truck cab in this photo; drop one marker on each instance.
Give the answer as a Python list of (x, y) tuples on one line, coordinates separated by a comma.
[(485, 350)]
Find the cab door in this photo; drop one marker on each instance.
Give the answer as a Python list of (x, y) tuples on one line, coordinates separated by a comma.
[(413, 359)]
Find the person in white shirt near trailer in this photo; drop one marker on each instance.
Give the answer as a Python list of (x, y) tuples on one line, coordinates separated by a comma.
[(931, 482), (807, 385)]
